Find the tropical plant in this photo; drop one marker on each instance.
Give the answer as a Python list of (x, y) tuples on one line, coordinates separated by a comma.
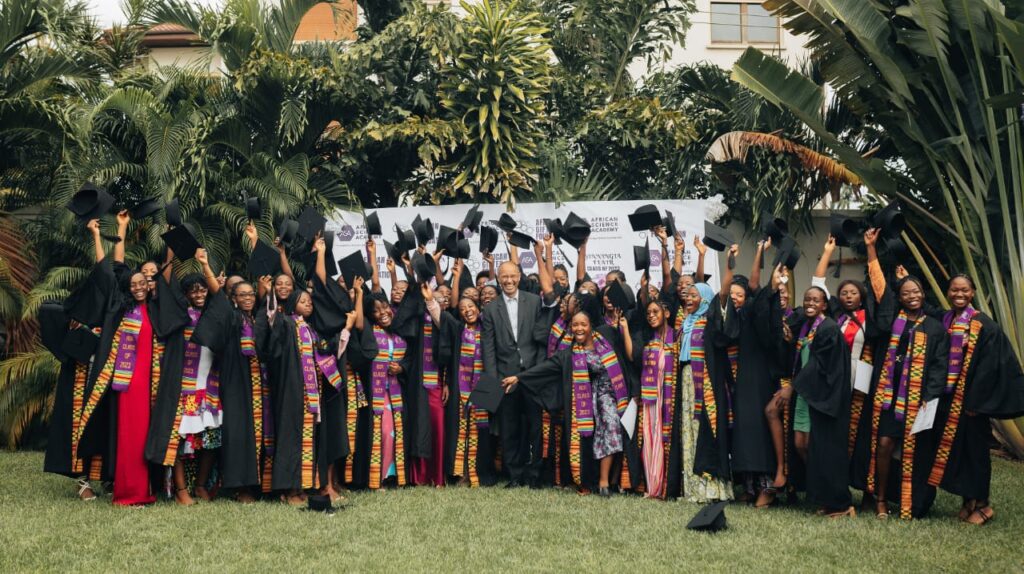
[(494, 87), (945, 80)]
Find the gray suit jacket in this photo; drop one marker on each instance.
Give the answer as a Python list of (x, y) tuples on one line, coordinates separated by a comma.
[(503, 354)]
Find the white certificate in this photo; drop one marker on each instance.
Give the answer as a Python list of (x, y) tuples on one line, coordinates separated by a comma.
[(629, 418), (925, 416), (862, 377)]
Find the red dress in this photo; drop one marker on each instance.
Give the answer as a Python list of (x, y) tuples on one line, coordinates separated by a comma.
[(131, 473)]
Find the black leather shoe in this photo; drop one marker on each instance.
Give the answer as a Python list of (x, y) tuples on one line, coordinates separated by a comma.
[(513, 484)]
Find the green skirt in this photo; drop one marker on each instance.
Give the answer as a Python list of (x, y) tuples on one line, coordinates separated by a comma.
[(801, 416)]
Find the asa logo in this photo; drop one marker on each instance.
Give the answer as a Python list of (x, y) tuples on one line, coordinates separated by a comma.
[(346, 233)]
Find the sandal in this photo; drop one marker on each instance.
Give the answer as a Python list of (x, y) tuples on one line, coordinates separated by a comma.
[(966, 510), (183, 502), (884, 513), (851, 512), (768, 496), (982, 515), (83, 487)]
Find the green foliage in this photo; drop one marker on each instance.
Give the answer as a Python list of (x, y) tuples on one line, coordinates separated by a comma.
[(494, 88)]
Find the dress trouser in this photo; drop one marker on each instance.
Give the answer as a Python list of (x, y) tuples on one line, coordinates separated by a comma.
[(520, 419)]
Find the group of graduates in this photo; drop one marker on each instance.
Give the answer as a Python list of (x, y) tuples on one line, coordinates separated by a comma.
[(282, 386)]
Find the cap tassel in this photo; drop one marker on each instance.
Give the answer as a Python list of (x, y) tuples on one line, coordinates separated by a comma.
[(839, 264)]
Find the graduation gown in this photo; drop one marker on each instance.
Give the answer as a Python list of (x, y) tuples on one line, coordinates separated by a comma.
[(241, 396), (408, 323), (65, 416), (991, 387), (824, 383), (361, 351), (97, 426), (748, 332)]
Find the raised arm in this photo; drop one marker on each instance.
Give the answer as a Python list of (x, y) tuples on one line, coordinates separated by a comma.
[(755, 270), (723, 295), (702, 250), (371, 254), (627, 337), (212, 284), (874, 267), (438, 273), (549, 259), (826, 256), (167, 265), (666, 269), (492, 275), (581, 262), (264, 284), (97, 242), (545, 271), (286, 267), (453, 301), (360, 319), (252, 235), (122, 231), (513, 251), (678, 246), (321, 264)]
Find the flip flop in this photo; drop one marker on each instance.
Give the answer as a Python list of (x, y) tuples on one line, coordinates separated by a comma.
[(985, 518)]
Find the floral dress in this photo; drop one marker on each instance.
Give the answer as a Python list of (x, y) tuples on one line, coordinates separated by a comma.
[(607, 427), (696, 488)]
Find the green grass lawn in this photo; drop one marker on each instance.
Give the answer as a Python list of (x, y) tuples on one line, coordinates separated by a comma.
[(43, 526)]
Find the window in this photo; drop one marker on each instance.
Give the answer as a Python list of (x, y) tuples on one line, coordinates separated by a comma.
[(743, 23)]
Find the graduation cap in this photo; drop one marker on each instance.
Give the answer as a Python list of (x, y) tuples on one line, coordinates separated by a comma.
[(462, 249), (287, 231), (521, 240), (488, 239), (717, 238), (264, 260), (890, 220), (488, 393), (556, 230), (710, 518), (318, 503), (80, 344), (352, 266), (642, 256), (406, 240), (473, 218), (90, 202), (618, 297), (252, 207), (53, 326), (896, 249), (172, 211), (447, 239), (576, 229), (424, 267), (788, 253), (505, 223), (182, 241), (774, 227), (669, 221), (145, 208), (645, 217), (393, 252), (373, 224), (423, 229), (843, 229), (310, 223)]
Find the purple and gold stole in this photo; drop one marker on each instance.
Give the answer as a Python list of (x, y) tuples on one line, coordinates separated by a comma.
[(430, 376), (471, 365), (126, 343), (257, 376), (191, 399), (581, 386), (381, 381), (659, 363), (885, 382), (957, 325), (307, 361), (556, 337)]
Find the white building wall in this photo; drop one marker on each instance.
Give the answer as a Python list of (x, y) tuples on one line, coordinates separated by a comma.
[(201, 56)]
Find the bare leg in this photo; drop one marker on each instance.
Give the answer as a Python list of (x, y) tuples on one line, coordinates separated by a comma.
[(606, 467), (883, 462), (775, 427), (329, 488), (181, 495), (801, 439), (206, 460)]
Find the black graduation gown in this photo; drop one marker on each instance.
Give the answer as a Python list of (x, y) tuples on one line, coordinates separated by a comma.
[(994, 388), (170, 321), (362, 349), (712, 451), (101, 290), (449, 346), (408, 323), (220, 329), (750, 329), (824, 383), (57, 459)]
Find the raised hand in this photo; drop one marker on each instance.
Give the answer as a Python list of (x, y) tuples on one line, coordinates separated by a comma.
[(901, 272), (659, 231), (123, 217), (871, 236), (94, 227), (734, 250), (371, 249), (701, 248), (202, 257), (357, 283), (320, 246), (251, 233), (830, 245), (428, 293), (265, 283), (350, 320)]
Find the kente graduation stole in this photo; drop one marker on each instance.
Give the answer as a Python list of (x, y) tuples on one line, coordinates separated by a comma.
[(194, 401), (680, 317), (390, 348), (703, 392), (804, 341), (581, 385), (471, 365), (126, 342), (658, 371), (556, 337), (247, 344), (307, 361), (885, 382), (430, 378), (956, 405), (957, 324), (733, 352)]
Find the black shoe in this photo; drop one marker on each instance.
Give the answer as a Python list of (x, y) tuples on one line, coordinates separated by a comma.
[(604, 492), (535, 485), (513, 484)]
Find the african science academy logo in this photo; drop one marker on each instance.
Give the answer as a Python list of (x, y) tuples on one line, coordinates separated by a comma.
[(346, 233)]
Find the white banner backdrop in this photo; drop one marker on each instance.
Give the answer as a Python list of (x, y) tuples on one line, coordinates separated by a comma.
[(610, 246)]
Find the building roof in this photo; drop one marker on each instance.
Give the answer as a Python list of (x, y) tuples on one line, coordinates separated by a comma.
[(170, 36)]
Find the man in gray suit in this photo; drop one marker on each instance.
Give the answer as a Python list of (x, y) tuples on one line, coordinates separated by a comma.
[(510, 346)]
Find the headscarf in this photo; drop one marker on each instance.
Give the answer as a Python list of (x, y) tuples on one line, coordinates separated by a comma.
[(706, 295)]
